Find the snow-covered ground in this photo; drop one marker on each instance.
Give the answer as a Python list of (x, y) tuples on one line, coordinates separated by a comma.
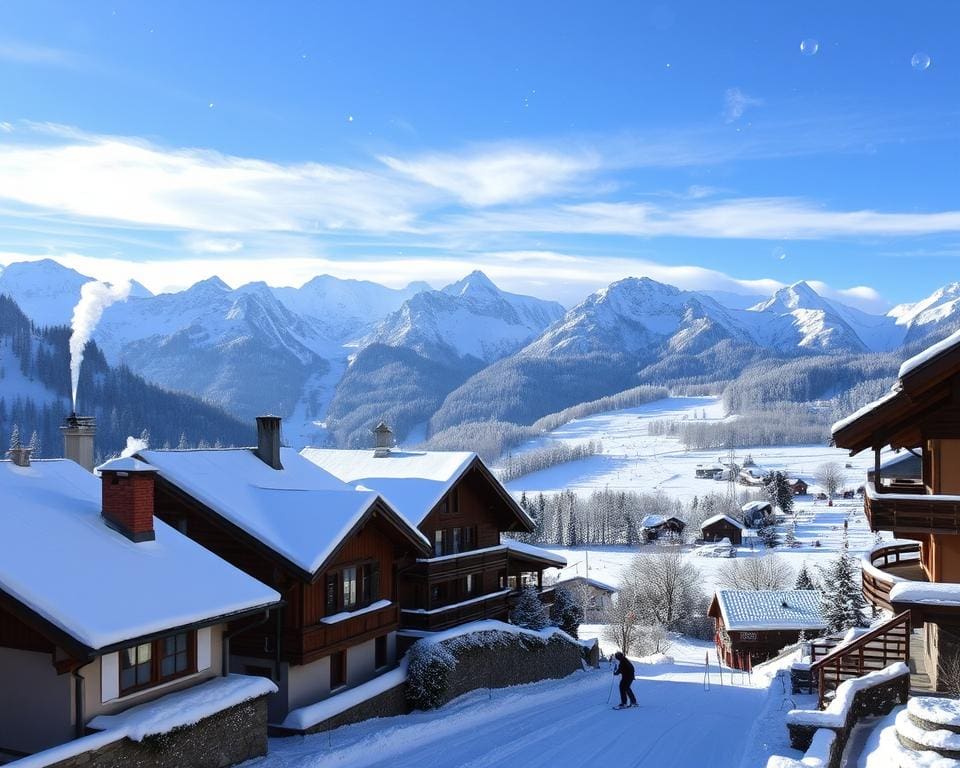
[(568, 722), (635, 460)]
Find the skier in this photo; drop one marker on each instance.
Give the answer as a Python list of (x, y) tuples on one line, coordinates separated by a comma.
[(625, 670)]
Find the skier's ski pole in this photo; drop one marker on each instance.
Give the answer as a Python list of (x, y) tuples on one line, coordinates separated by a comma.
[(610, 692)]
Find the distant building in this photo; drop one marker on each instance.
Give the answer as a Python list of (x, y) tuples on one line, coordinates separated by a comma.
[(798, 486), (594, 596), (708, 471), (755, 512), (752, 626), (656, 526), (720, 527)]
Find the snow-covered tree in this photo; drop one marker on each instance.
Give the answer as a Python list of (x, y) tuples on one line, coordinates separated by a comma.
[(183, 444), (830, 477), (755, 573), (665, 588), (529, 611), (843, 601), (790, 540), (15, 437), (768, 534), (35, 445), (566, 611), (621, 625), (779, 491), (804, 581)]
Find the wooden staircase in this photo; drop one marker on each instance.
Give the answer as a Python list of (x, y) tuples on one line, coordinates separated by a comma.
[(873, 650)]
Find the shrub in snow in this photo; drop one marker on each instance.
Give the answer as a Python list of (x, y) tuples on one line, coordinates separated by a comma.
[(428, 674), (653, 640), (566, 612), (768, 534), (529, 611)]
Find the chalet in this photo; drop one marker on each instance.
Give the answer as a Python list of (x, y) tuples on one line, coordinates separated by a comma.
[(798, 486), (720, 527), (752, 476), (753, 626), (922, 574), (594, 596), (471, 572), (903, 470), (756, 512), (104, 608), (656, 526), (333, 552), (708, 471)]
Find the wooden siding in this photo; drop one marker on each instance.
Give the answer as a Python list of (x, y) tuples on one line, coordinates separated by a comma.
[(15, 634), (723, 530)]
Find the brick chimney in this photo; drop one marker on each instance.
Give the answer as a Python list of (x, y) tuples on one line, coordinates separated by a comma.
[(128, 488), (78, 432), (268, 441), (383, 437)]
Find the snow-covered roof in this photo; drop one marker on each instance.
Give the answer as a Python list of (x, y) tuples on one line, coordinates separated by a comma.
[(717, 518), (755, 506), (655, 521), (125, 464), (522, 548), (413, 482), (301, 512), (770, 609), (60, 559), (928, 354), (860, 413), (602, 586)]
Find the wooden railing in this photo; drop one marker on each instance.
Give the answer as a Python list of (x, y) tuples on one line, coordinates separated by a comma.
[(911, 513), (876, 582), (871, 651), (466, 562), (494, 607), (322, 639)]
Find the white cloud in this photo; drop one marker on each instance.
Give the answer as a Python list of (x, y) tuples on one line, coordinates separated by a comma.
[(28, 53), (215, 245), (736, 102), (493, 177)]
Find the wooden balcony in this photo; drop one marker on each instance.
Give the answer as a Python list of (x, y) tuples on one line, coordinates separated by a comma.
[(455, 566), (319, 640), (908, 513), (887, 565), (494, 606)]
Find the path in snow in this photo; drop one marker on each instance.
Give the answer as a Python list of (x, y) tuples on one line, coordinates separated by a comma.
[(635, 460), (549, 724)]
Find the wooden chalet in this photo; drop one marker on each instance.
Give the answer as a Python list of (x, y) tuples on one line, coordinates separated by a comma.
[(919, 573), (472, 571), (753, 626), (720, 527), (798, 487), (331, 551), (104, 608), (756, 512), (657, 526), (595, 597)]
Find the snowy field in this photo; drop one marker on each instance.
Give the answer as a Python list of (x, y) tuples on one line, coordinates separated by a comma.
[(635, 460), (679, 724)]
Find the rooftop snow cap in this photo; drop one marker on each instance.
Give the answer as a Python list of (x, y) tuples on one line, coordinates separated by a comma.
[(128, 488), (384, 439), (268, 441), (78, 432)]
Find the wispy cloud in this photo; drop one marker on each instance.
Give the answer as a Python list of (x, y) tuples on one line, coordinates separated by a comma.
[(492, 177), (736, 102), (213, 245), (21, 52)]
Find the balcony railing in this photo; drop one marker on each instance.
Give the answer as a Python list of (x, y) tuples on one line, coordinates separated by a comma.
[(453, 566), (322, 639), (495, 606), (912, 512), (886, 565)]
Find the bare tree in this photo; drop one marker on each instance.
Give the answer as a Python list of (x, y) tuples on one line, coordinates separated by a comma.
[(665, 588), (621, 626), (755, 573), (830, 477), (652, 640)]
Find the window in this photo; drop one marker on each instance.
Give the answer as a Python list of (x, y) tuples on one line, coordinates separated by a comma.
[(147, 664), (370, 584), (469, 538), (349, 579), (380, 652), (455, 541), (338, 669), (438, 542), (471, 584), (353, 587)]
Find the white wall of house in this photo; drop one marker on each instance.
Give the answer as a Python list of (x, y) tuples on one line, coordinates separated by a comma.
[(35, 702), (308, 683)]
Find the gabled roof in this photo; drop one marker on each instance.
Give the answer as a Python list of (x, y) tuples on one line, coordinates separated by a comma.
[(717, 518), (413, 482), (300, 512), (75, 575), (756, 506), (655, 521), (602, 586), (768, 609)]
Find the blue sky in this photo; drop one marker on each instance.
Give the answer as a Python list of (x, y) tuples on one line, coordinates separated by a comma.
[(556, 145)]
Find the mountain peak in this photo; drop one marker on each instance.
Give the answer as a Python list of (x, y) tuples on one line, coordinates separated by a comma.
[(800, 295), (475, 282), (213, 282)]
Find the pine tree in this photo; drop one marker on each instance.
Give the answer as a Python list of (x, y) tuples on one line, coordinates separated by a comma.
[(779, 491), (842, 601), (767, 533), (529, 611), (566, 612), (35, 445), (803, 579), (183, 442), (15, 437), (791, 537)]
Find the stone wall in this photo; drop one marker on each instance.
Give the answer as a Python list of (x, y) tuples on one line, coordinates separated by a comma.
[(224, 739)]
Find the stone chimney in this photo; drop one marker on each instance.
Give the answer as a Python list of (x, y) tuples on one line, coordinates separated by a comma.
[(383, 440), (128, 492), (78, 432), (20, 455), (268, 441)]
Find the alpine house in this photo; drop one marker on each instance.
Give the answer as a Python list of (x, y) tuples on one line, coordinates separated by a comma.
[(452, 498)]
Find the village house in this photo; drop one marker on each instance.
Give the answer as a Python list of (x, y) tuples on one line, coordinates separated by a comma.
[(333, 552), (798, 486), (471, 571), (595, 597), (107, 612), (709, 471), (720, 527), (659, 526), (922, 415), (755, 513), (752, 626)]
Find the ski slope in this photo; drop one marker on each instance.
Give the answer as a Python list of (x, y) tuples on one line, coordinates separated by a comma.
[(635, 460), (566, 722)]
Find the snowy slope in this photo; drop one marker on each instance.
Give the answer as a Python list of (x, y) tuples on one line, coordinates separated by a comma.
[(471, 317), (46, 291)]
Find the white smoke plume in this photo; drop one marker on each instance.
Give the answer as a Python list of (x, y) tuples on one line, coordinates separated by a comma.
[(94, 298), (134, 445)]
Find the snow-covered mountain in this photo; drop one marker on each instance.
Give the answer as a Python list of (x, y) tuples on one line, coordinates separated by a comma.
[(46, 291), (938, 313), (469, 318), (345, 309)]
